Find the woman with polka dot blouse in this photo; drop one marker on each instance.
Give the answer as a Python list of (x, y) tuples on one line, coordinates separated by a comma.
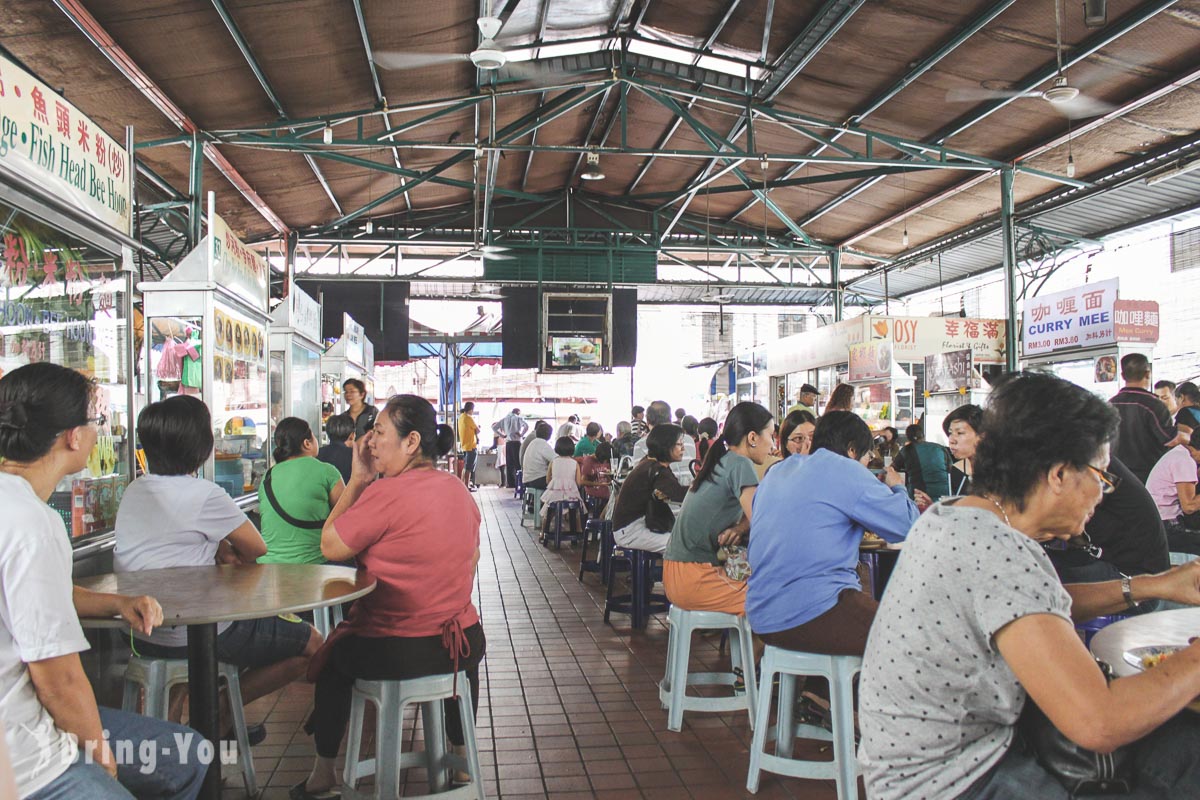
[(975, 622)]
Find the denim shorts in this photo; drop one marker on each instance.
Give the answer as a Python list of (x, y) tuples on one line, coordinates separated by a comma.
[(248, 643)]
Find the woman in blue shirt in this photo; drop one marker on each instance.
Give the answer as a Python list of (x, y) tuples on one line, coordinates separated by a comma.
[(808, 520)]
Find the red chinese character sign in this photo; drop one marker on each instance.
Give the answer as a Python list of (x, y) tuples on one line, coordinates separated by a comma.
[(1079, 317), (1136, 321), (45, 139)]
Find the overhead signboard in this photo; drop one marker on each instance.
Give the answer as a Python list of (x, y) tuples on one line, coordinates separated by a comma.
[(51, 142), (1136, 321), (233, 265), (914, 338), (871, 361), (306, 314), (354, 336), (1079, 317)]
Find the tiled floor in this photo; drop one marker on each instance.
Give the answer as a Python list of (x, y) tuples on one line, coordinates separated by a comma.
[(569, 705)]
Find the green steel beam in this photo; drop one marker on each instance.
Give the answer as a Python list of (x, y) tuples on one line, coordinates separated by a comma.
[(333, 155), (782, 183), (380, 100), (532, 153)]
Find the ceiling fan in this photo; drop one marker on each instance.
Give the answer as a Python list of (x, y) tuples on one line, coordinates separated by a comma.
[(1062, 96), (721, 298), (478, 294)]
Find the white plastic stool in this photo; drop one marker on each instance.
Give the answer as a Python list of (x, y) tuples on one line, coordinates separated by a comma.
[(672, 691), (158, 675), (532, 508), (389, 699), (326, 619), (840, 671)]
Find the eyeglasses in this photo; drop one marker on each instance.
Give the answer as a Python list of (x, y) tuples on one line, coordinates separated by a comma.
[(799, 438), (1108, 481)]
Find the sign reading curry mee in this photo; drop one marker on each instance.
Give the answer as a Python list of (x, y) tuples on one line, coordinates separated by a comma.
[(49, 141), (1079, 317)]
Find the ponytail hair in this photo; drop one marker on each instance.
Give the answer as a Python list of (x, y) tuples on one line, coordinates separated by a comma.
[(409, 413), (38, 402), (290, 435), (743, 419)]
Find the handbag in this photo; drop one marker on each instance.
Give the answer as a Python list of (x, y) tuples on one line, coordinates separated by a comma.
[(659, 516), (1081, 771)]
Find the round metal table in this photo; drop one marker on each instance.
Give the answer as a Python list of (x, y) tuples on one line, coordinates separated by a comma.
[(1161, 627), (202, 597)]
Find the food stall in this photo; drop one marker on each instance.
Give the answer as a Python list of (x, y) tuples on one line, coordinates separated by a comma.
[(206, 336), (889, 353), (296, 359), (1081, 334), (953, 379), (346, 359), (67, 283)]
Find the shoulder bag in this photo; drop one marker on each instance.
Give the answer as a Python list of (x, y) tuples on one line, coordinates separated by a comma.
[(1083, 772), (659, 516), (308, 525)]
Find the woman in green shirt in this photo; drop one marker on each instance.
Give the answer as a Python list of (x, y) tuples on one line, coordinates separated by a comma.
[(295, 496), (716, 512)]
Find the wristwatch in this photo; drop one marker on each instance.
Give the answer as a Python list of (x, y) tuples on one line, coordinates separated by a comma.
[(1127, 591)]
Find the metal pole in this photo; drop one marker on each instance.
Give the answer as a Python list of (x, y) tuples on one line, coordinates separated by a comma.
[(195, 191), (1009, 242), (835, 282)]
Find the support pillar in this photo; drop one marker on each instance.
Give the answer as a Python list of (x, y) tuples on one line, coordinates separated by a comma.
[(289, 259), (196, 192), (835, 280), (1008, 235), (449, 382)]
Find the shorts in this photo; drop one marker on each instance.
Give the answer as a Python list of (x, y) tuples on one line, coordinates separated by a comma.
[(703, 587), (247, 643), (469, 457)]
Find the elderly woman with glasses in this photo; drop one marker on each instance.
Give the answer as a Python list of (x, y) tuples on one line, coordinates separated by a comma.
[(975, 623)]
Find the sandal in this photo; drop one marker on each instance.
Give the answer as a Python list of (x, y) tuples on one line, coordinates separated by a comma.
[(300, 792)]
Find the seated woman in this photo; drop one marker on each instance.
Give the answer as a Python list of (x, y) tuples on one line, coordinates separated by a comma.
[(706, 431), (296, 496), (961, 427), (596, 470), (1172, 484), (60, 744), (415, 529), (820, 506), (537, 455), (170, 518), (652, 475), (796, 432), (563, 479), (975, 624), (624, 441), (716, 512), (926, 468)]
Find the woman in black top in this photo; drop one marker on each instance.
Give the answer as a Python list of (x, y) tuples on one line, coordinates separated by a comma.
[(664, 446), (961, 427), (362, 412)]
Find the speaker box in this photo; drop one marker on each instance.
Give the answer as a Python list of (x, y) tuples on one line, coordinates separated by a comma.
[(520, 336), (624, 328), (381, 307)]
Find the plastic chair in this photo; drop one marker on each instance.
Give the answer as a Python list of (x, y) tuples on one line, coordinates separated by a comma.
[(788, 664), (645, 569), (593, 526), (157, 675), (389, 699), (558, 508), (532, 508), (672, 690), (519, 489), (1094, 625), (326, 619)]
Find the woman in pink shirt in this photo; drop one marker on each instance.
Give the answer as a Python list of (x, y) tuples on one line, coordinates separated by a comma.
[(415, 529)]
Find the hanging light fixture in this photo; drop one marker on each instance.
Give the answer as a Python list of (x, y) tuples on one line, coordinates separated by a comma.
[(904, 189), (593, 171), (1070, 154), (370, 227), (327, 135)]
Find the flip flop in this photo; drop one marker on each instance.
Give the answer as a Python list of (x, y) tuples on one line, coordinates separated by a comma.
[(299, 792)]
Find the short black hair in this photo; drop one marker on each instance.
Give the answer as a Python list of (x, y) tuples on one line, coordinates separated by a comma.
[(1188, 391), (679, 415), (913, 433), (603, 451), (969, 413), (357, 384), (468, 407), (564, 446), (592, 429), (1135, 367), (638, 410), (839, 431), (339, 427), (176, 435), (662, 440), (1033, 421), (690, 425), (1165, 385), (38, 402), (659, 413), (542, 430)]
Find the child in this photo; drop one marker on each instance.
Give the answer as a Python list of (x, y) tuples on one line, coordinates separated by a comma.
[(562, 482)]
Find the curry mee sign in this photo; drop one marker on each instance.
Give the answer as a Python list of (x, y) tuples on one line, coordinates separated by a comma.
[(1079, 317)]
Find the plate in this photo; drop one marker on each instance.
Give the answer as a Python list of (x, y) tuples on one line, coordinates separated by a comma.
[(1134, 656)]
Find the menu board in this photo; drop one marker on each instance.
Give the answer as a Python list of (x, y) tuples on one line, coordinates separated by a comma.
[(948, 372)]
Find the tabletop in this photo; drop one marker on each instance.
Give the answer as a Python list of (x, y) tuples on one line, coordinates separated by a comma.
[(200, 595), (1159, 628)]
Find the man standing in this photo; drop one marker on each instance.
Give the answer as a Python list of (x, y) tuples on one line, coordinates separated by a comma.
[(570, 429), (806, 399), (1147, 431), (468, 442), (638, 423), (512, 428), (1165, 391)]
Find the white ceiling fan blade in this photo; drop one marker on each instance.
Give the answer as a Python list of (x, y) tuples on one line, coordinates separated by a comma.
[(975, 94), (535, 74), (1083, 107), (399, 59)]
